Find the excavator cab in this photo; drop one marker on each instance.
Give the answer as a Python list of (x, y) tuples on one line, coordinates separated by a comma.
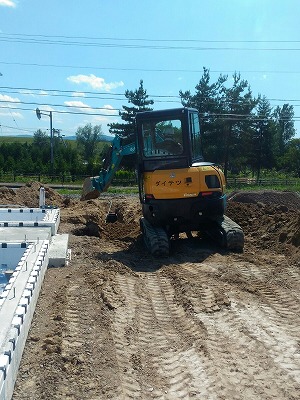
[(168, 138)]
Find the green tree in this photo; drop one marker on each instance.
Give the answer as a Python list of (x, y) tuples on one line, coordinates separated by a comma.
[(40, 138), (140, 102), (238, 108), (9, 164), (88, 138), (283, 117), (225, 115), (291, 159), (261, 149), (208, 101)]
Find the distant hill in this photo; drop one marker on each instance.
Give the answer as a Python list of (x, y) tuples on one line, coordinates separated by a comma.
[(103, 138), (24, 138)]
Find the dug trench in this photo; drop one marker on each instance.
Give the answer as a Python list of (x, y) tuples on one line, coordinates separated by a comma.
[(203, 323)]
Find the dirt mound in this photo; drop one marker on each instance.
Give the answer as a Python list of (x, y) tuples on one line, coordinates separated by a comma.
[(290, 200), (8, 196), (89, 217), (28, 196), (269, 219)]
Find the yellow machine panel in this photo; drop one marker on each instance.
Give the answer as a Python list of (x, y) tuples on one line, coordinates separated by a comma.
[(183, 183)]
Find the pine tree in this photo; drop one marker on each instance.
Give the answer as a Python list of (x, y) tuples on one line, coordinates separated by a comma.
[(262, 154), (140, 102), (207, 100), (285, 126), (237, 119)]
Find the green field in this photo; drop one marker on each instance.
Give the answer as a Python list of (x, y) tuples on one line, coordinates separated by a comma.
[(16, 139), (28, 139)]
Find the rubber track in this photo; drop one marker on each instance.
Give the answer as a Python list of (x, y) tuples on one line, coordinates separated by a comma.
[(155, 238), (234, 236), (227, 233)]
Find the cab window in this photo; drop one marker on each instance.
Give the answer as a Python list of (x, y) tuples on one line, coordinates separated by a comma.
[(162, 138), (195, 136)]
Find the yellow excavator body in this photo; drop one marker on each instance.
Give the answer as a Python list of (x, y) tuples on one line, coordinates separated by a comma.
[(183, 183)]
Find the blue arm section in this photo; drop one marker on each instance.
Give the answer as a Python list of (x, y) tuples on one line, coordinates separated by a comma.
[(111, 163)]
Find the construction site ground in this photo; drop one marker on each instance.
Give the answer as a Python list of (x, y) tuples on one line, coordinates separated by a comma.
[(203, 323)]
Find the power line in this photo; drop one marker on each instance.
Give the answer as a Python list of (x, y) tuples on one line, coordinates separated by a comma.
[(65, 112), (28, 40), (240, 117), (148, 69), (74, 91), (15, 128), (150, 40), (59, 105), (82, 107), (57, 90), (74, 96), (54, 38), (70, 94)]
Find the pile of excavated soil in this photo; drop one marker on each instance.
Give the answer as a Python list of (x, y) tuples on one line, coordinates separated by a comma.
[(28, 196), (288, 200), (269, 219)]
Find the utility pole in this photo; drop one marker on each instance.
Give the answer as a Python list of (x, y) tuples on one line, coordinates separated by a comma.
[(49, 114)]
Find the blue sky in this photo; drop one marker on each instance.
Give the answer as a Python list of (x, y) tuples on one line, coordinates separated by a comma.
[(72, 56)]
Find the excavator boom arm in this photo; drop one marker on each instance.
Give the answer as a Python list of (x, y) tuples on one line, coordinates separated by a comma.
[(94, 186)]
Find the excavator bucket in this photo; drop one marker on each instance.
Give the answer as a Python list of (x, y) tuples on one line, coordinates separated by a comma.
[(88, 191), (111, 218)]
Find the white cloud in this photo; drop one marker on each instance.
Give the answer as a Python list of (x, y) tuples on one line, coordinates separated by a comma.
[(8, 3), (94, 82), (43, 93), (11, 114), (109, 110), (9, 99), (78, 94), (79, 105), (32, 93)]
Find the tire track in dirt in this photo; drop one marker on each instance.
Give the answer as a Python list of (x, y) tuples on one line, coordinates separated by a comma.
[(247, 336), (74, 337), (86, 344), (158, 341), (246, 350), (124, 348), (194, 351), (279, 343)]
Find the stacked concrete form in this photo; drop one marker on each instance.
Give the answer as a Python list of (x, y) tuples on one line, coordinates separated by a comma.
[(29, 243)]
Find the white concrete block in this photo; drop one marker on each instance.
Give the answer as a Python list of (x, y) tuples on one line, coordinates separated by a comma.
[(58, 250)]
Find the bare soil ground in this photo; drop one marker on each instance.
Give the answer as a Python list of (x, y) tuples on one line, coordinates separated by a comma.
[(201, 324)]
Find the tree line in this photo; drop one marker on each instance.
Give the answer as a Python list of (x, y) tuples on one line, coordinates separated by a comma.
[(243, 133)]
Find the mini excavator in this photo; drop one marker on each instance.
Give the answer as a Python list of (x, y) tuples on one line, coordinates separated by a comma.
[(179, 192)]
